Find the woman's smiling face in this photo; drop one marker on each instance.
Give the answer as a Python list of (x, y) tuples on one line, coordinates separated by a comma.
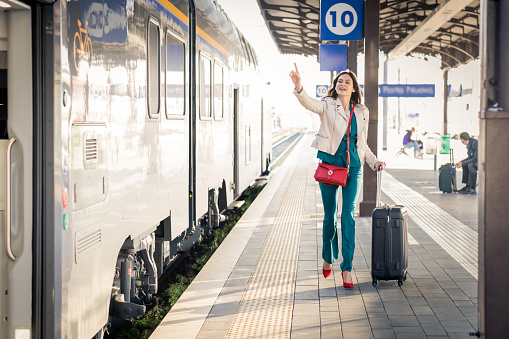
[(344, 85)]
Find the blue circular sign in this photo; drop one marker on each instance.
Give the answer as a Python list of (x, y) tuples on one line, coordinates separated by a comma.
[(321, 90)]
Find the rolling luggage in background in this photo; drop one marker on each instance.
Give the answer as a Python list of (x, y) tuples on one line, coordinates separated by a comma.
[(389, 247), (447, 175)]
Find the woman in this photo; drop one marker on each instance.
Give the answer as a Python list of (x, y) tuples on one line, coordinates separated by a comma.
[(408, 142), (331, 142)]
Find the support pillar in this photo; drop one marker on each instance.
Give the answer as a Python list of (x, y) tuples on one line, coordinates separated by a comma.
[(371, 47), (384, 130), (493, 170), (352, 56), (399, 104), (446, 98)]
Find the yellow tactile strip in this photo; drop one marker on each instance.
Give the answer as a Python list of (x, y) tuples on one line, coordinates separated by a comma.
[(265, 310)]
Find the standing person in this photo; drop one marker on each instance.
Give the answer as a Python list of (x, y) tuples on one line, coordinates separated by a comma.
[(334, 110), (409, 142), (469, 164)]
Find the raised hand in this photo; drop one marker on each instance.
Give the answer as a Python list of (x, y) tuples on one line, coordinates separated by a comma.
[(295, 76)]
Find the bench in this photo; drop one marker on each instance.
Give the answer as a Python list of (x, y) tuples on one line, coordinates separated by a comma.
[(402, 151)]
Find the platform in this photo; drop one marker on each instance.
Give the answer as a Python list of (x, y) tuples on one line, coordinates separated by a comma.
[(265, 280)]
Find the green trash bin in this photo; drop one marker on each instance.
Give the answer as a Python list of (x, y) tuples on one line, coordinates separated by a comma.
[(445, 147)]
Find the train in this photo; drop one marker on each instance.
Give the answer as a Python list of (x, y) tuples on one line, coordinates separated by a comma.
[(127, 127)]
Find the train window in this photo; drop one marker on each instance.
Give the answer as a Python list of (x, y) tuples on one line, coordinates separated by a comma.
[(218, 91), (248, 144), (205, 87), (153, 61), (175, 76)]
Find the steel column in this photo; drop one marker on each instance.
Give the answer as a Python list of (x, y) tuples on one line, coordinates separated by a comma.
[(493, 170), (352, 56), (371, 47), (399, 104), (385, 108), (446, 98)]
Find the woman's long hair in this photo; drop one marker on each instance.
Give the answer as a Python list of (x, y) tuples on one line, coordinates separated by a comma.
[(356, 96)]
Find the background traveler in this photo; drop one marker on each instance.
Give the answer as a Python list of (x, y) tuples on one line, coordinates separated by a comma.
[(409, 142), (469, 165)]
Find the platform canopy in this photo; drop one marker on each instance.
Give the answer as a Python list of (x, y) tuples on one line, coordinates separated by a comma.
[(449, 28)]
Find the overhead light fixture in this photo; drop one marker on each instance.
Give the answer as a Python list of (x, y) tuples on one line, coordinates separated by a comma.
[(4, 4)]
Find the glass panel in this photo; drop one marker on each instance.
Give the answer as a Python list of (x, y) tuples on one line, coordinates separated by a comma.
[(175, 76), (153, 69), (218, 91), (205, 84)]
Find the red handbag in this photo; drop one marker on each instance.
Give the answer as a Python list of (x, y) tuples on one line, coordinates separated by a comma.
[(335, 175)]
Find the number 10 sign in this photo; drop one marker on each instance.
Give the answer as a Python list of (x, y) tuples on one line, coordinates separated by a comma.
[(341, 19)]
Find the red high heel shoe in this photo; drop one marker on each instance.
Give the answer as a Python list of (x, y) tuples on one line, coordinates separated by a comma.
[(345, 284), (326, 273)]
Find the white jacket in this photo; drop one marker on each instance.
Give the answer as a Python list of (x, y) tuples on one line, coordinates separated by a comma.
[(334, 123)]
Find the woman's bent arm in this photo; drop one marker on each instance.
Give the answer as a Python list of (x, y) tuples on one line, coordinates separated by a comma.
[(317, 106)]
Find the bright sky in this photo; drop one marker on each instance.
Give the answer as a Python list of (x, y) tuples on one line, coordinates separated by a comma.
[(275, 68)]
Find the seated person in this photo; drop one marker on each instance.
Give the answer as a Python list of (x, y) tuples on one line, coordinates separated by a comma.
[(469, 164), (408, 142)]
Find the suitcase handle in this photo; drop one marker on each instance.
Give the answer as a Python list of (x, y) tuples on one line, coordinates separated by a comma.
[(378, 186)]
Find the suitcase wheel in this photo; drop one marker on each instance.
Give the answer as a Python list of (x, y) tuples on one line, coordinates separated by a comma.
[(374, 282), (400, 282)]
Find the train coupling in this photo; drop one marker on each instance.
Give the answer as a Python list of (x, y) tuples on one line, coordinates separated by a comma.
[(126, 310)]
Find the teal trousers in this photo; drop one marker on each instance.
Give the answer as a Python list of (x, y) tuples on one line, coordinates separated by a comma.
[(350, 193)]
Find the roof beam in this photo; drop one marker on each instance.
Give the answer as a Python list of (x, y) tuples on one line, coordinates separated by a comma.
[(442, 14)]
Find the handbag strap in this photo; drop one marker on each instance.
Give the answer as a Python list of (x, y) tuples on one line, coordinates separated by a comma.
[(348, 142)]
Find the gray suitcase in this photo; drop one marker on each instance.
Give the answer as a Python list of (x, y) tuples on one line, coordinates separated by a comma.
[(389, 247)]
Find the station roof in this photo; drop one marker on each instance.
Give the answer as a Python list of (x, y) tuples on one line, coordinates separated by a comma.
[(449, 28)]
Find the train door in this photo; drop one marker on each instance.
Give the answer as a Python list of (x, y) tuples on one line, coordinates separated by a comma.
[(192, 115), (16, 145), (236, 153)]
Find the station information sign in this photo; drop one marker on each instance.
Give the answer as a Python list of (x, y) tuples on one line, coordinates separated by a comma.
[(341, 19), (333, 57), (407, 91), (321, 90)]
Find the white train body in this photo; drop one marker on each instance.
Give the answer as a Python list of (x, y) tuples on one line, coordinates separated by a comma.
[(128, 119)]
